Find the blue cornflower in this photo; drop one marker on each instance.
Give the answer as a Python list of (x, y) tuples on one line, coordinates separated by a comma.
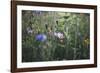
[(41, 37)]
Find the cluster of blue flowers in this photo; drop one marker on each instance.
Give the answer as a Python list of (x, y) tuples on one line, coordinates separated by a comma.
[(41, 37)]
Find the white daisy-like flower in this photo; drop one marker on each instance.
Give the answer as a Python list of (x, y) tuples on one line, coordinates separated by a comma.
[(29, 30), (59, 35)]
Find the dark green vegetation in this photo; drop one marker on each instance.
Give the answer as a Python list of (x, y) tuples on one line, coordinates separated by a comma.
[(53, 36)]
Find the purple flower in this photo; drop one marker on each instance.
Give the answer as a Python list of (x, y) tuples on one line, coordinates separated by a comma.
[(41, 37)]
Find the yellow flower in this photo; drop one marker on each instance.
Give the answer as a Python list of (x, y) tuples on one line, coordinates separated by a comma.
[(86, 41), (49, 29)]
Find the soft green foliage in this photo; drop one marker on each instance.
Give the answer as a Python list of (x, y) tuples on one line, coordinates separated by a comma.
[(73, 45)]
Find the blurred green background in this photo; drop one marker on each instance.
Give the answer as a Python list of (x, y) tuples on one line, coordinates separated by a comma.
[(55, 36)]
